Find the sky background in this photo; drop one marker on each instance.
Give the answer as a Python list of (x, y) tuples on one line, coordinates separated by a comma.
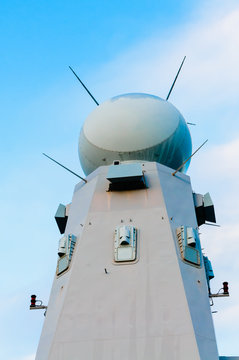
[(116, 47)]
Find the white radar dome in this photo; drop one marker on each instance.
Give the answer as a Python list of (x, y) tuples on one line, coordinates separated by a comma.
[(137, 127)]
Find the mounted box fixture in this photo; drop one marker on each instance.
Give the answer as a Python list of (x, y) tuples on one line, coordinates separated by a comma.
[(208, 271), (125, 176), (191, 240), (65, 252), (189, 244), (204, 208), (61, 217), (125, 243), (208, 268)]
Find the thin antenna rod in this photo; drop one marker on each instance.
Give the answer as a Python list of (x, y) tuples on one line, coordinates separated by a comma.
[(84, 86), (175, 78), (65, 168), (189, 158)]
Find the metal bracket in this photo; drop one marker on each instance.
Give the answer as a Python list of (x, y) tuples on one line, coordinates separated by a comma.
[(38, 307), (218, 295)]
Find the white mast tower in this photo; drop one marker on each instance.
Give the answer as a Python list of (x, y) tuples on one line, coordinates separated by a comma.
[(131, 282)]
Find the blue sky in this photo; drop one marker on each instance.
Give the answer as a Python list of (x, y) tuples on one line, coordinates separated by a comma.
[(115, 47)]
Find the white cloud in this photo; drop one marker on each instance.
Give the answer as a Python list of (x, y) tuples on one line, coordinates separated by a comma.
[(217, 170), (230, 313), (220, 160), (210, 76)]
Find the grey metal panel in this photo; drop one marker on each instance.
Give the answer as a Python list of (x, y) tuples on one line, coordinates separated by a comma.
[(124, 172), (61, 218), (61, 211), (204, 208), (209, 208), (63, 264), (207, 200)]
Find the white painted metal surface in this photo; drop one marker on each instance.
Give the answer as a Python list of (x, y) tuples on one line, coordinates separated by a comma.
[(134, 127), (154, 308)]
